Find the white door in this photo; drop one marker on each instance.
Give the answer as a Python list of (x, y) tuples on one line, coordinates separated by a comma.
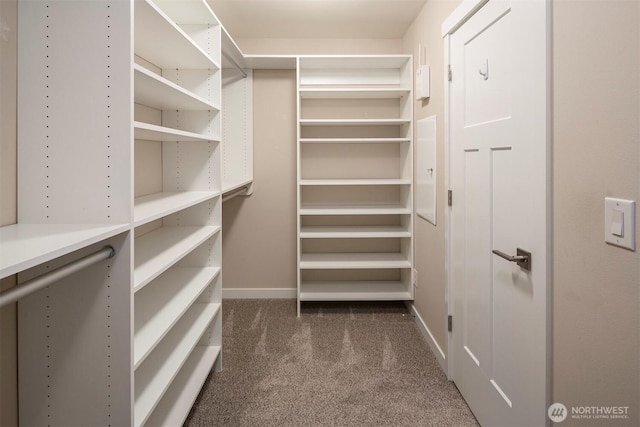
[(499, 178)]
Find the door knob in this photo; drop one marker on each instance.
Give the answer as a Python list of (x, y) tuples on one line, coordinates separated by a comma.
[(522, 258)]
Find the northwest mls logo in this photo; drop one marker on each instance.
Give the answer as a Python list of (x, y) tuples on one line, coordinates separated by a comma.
[(557, 412)]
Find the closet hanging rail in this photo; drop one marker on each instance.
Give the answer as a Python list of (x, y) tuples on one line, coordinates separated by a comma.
[(236, 192), (235, 64), (12, 295)]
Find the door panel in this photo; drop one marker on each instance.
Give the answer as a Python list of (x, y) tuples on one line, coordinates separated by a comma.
[(498, 145), (497, 69), (477, 286)]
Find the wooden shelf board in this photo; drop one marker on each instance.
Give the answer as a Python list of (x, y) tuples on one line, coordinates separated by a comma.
[(23, 246), (354, 291), (354, 210), (155, 375), (164, 44), (160, 305), (157, 251), (353, 260), (157, 205), (349, 181), (358, 232), (177, 401), (149, 132), (155, 91)]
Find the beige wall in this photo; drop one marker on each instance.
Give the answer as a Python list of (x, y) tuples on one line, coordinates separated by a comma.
[(259, 232), (8, 352), (430, 297), (596, 153)]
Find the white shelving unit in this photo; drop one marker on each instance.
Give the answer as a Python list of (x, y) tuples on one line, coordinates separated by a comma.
[(355, 179), (119, 124), (177, 246), (237, 119), (74, 197)]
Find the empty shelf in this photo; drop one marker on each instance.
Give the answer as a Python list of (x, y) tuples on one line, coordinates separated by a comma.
[(157, 372), (159, 250), (155, 91), (354, 291), (161, 304), (308, 209), (23, 246), (352, 140), (345, 232), (349, 181), (353, 93), (324, 261), (164, 44), (354, 122), (177, 401), (149, 132), (154, 206)]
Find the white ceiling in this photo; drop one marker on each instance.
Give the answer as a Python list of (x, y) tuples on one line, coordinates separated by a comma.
[(316, 18)]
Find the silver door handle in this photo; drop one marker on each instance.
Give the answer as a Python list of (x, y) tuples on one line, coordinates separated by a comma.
[(522, 258)]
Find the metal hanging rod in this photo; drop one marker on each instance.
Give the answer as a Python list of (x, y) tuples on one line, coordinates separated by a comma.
[(236, 192), (235, 64), (12, 295)]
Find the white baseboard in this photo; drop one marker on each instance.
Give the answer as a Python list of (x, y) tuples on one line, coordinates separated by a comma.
[(258, 293), (431, 341)]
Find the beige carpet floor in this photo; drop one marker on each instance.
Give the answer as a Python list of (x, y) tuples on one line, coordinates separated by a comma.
[(339, 364)]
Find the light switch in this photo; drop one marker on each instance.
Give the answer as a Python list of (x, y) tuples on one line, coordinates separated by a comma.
[(619, 222)]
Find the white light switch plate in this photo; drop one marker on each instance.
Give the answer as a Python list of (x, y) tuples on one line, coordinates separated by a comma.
[(619, 222)]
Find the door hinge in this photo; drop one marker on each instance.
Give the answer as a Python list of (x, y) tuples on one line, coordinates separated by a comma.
[(450, 323), (449, 73), (450, 197)]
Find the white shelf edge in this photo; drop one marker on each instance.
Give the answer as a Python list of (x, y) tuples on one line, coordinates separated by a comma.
[(353, 140), (154, 206), (163, 370), (270, 62), (177, 401), (188, 12), (375, 260), (150, 132), (337, 232), (353, 210), (179, 91), (350, 92), (354, 291), (168, 306), (354, 181), (354, 122), (23, 246), (177, 243)]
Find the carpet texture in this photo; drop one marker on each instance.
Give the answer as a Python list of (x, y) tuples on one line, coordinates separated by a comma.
[(339, 364)]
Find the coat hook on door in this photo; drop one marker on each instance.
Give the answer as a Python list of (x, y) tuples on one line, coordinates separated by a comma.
[(484, 69)]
